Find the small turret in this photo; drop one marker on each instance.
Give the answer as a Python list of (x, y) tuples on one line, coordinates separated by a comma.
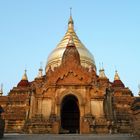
[(117, 82), (24, 77), (102, 74), (1, 90), (40, 72), (116, 77), (103, 80), (24, 81)]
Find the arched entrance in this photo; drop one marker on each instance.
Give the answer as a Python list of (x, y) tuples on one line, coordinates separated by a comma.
[(70, 115)]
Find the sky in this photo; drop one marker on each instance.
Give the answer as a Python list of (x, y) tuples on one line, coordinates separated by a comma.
[(31, 29)]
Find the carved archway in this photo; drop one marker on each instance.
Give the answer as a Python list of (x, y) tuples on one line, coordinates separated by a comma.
[(70, 115)]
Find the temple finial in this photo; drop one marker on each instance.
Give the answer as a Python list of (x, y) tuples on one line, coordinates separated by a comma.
[(70, 23), (24, 77), (116, 77)]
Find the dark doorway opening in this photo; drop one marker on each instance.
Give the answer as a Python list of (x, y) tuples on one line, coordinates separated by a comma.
[(70, 115)]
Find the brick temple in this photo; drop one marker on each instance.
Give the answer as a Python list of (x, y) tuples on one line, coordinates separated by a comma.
[(71, 97)]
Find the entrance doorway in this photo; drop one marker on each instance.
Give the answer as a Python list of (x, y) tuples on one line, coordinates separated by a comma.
[(70, 115)]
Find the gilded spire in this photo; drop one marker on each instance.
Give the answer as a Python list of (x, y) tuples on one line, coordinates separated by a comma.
[(55, 58), (71, 22), (24, 77), (116, 77)]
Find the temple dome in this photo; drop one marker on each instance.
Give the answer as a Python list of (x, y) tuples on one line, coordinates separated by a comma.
[(86, 58)]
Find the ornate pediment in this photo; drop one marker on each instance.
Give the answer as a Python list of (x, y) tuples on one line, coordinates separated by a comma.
[(64, 75), (71, 78)]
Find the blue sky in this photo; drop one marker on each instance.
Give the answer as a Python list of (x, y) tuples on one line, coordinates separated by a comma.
[(31, 29)]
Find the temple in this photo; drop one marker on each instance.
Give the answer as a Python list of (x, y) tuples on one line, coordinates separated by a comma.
[(70, 97)]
